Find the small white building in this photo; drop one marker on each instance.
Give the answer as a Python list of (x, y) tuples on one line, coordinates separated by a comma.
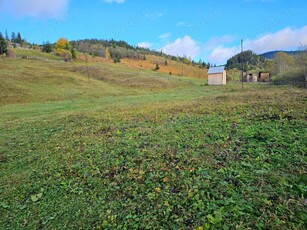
[(217, 75)]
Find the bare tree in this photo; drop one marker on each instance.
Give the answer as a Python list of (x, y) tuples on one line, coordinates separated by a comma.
[(302, 61)]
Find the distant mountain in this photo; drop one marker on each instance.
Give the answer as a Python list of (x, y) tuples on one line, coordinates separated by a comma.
[(271, 54)]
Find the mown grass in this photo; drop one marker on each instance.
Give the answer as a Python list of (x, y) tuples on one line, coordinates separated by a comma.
[(178, 157)]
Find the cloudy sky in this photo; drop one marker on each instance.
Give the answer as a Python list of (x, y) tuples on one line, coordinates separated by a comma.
[(208, 30)]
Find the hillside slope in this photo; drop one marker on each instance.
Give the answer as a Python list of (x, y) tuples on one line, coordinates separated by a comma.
[(271, 54), (41, 77), (133, 148)]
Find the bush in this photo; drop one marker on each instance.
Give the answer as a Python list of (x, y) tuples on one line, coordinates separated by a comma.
[(157, 67), (10, 53), (116, 60), (294, 76), (64, 54), (47, 48)]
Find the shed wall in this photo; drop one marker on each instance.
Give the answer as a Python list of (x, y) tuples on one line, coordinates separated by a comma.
[(217, 79)]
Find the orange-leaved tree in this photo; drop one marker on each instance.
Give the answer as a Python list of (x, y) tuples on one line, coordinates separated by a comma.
[(64, 49)]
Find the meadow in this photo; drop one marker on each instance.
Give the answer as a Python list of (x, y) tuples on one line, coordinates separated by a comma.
[(130, 148)]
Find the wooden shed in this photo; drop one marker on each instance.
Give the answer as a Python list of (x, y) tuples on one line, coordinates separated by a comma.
[(252, 77), (264, 77), (217, 75)]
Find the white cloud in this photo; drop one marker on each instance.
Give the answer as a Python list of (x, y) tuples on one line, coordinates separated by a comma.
[(220, 54), (184, 24), (34, 8), (144, 45), (217, 41), (165, 36), (185, 46), (115, 1), (284, 39), (154, 15)]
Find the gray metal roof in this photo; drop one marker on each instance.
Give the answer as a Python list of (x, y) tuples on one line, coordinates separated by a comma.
[(218, 69)]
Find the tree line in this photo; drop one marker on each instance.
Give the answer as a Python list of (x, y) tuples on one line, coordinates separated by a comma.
[(95, 47), (289, 69), (121, 49), (250, 60), (14, 40), (283, 68)]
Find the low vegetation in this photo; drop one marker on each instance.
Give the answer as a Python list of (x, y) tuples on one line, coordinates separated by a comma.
[(132, 148)]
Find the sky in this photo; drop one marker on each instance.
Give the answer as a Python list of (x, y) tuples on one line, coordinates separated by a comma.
[(207, 30)]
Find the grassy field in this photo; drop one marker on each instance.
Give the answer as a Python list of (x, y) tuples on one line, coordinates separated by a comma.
[(132, 148)]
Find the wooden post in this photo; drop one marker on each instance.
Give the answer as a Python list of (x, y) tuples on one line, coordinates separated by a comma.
[(88, 75), (242, 61)]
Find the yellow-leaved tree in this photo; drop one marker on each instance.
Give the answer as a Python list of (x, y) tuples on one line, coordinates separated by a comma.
[(64, 49)]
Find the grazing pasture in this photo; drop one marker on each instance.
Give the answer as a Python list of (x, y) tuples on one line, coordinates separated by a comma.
[(132, 148)]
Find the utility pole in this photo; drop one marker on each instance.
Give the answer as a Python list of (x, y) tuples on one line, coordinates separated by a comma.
[(88, 74), (242, 61)]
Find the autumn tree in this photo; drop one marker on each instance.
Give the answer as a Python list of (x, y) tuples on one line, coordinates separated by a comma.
[(62, 44), (64, 49)]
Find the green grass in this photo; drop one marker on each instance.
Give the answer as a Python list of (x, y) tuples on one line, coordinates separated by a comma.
[(115, 153), (35, 54)]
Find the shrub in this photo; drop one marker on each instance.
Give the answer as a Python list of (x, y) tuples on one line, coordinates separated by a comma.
[(10, 53), (64, 54), (293, 76), (116, 60), (47, 48), (157, 67)]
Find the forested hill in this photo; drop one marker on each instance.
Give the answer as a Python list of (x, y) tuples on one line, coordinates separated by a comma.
[(272, 54), (250, 59), (118, 49)]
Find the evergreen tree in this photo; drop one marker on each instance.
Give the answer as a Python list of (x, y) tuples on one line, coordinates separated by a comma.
[(47, 47), (73, 53), (157, 67), (13, 37), (6, 36), (3, 45), (19, 39)]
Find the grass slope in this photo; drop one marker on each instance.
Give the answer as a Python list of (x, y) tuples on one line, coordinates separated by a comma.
[(177, 155)]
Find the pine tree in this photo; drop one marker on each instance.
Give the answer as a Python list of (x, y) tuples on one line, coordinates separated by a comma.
[(19, 39), (13, 37), (3, 45), (47, 47), (6, 36), (157, 67), (73, 53)]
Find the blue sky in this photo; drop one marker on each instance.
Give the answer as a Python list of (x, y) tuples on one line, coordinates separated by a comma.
[(208, 30)]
